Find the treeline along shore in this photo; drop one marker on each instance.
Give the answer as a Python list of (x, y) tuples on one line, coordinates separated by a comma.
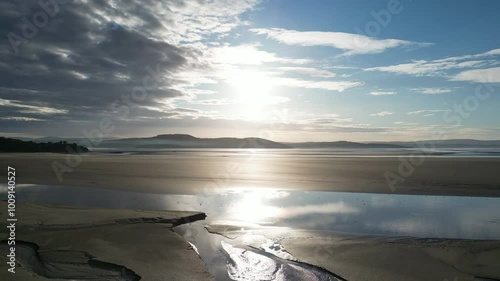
[(15, 145)]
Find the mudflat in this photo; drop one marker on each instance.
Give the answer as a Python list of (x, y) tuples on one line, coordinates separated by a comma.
[(192, 173), (378, 258), (63, 242)]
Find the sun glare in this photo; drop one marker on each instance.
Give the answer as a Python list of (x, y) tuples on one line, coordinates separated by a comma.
[(252, 86), (255, 207), (252, 90)]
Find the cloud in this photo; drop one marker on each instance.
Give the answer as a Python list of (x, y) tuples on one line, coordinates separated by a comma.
[(350, 43), (271, 79), (250, 55), (424, 68), (427, 111), (382, 113), (337, 86), (223, 101), (432, 91), (314, 72), (405, 123), (17, 118), (327, 119), (30, 109), (92, 54), (331, 120), (382, 93), (439, 67), (489, 75)]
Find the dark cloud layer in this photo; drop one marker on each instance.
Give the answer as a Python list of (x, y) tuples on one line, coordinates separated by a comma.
[(81, 61)]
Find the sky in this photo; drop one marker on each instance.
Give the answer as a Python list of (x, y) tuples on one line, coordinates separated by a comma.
[(284, 70)]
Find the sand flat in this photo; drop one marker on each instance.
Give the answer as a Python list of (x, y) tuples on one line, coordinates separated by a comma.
[(101, 242), (191, 174), (379, 258)]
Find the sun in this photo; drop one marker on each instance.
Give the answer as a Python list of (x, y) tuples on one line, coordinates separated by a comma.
[(252, 86), (252, 90)]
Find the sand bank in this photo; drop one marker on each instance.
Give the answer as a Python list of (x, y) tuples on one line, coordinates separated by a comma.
[(387, 259), (59, 242), (372, 258), (190, 174)]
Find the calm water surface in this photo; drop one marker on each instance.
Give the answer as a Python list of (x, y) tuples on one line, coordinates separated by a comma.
[(366, 214), (374, 214)]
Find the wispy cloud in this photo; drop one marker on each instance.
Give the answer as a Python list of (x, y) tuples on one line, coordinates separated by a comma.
[(314, 72), (337, 86), (383, 93), (439, 67), (489, 75), (432, 91), (382, 113), (18, 118), (250, 55), (327, 119), (350, 43), (31, 109), (405, 123), (427, 111)]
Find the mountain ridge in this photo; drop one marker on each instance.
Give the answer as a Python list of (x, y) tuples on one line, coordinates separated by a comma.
[(174, 141)]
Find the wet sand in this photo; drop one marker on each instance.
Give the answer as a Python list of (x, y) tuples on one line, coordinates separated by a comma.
[(378, 258), (195, 174), (112, 243), (58, 242), (387, 259)]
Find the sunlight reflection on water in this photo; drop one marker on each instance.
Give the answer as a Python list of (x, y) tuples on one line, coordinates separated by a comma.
[(373, 214), (254, 211)]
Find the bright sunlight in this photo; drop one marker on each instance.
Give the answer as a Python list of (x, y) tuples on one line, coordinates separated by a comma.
[(252, 90)]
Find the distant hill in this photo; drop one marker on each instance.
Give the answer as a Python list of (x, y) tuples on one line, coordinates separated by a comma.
[(179, 141), (344, 145), (15, 145), (188, 141), (451, 143)]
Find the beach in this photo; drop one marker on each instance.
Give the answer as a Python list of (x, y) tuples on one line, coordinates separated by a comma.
[(64, 242), (250, 140), (270, 214), (379, 258), (195, 173)]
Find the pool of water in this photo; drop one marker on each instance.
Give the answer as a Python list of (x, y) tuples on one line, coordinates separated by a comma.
[(227, 259), (360, 213)]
